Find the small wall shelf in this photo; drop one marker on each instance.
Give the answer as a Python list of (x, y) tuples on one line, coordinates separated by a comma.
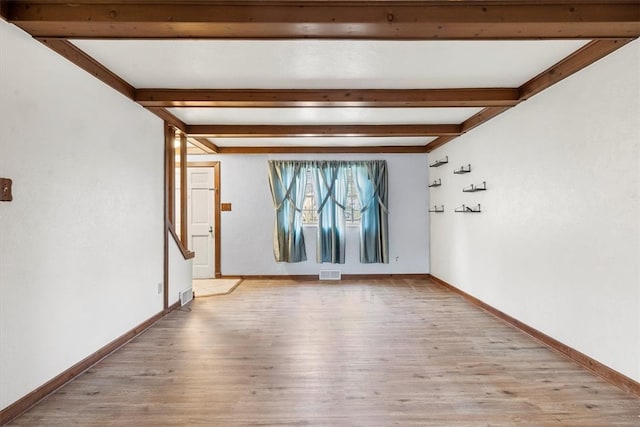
[(440, 162), (473, 188), (468, 209), (437, 209), (462, 170), (437, 183)]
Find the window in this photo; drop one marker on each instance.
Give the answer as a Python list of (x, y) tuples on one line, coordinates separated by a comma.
[(352, 213), (309, 212), (295, 205)]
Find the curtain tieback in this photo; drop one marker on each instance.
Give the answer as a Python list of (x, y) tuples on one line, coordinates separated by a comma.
[(329, 193), (287, 195), (375, 196)]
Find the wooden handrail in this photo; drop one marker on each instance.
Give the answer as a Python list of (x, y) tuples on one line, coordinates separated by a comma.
[(186, 253)]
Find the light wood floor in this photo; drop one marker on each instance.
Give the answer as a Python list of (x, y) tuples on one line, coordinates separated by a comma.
[(375, 353), (213, 287)]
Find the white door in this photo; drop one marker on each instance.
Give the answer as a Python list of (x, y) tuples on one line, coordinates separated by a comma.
[(201, 227)]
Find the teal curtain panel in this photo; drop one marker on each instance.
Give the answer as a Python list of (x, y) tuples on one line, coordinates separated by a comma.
[(371, 182), (330, 186), (287, 180)]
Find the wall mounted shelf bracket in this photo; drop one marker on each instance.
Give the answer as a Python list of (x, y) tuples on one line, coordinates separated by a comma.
[(440, 162), (437, 183), (462, 170), (473, 188), (468, 209)]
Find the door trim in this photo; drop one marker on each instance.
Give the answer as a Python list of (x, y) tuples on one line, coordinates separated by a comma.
[(216, 210)]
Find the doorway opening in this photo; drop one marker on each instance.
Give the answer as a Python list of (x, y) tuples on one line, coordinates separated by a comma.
[(203, 225), (203, 218)]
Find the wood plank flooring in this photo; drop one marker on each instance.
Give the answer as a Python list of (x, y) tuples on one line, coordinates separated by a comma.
[(362, 353)]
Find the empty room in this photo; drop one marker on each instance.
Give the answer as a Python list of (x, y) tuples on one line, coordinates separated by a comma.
[(323, 213)]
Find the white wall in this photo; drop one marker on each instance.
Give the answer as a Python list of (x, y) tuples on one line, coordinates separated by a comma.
[(247, 231), (81, 244), (557, 245), (180, 272)]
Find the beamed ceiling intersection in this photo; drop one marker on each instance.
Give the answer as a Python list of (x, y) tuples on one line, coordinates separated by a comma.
[(75, 31)]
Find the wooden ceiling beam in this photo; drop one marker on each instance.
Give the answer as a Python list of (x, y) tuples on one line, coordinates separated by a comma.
[(321, 150), (90, 65), (388, 20), (471, 123), (170, 118), (195, 150), (204, 144), (286, 131), (587, 55), (363, 98), (481, 117), (438, 142), (4, 10)]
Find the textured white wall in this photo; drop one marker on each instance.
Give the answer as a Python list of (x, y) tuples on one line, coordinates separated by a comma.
[(247, 231), (557, 245), (81, 244)]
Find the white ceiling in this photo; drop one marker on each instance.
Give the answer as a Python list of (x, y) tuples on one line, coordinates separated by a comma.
[(326, 64), (226, 59), (323, 116)]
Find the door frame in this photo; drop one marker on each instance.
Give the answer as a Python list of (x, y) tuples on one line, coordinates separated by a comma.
[(216, 210)]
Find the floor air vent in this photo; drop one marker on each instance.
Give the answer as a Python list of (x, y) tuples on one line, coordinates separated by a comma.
[(186, 296), (330, 275)]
